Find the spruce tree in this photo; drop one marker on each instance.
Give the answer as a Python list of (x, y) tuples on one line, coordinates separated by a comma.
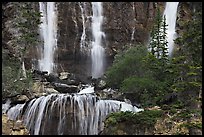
[(158, 43), (188, 61)]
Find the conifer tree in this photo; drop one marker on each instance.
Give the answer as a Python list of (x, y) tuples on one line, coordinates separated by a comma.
[(188, 61), (158, 43)]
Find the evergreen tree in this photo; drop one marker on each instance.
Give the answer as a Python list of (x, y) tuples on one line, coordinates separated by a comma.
[(158, 43), (188, 62), (158, 56)]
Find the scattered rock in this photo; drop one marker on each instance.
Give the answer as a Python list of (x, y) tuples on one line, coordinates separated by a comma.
[(10, 127), (64, 75)]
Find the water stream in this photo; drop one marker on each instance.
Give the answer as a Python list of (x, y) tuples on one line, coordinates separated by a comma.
[(97, 51), (48, 33), (66, 114), (171, 14)]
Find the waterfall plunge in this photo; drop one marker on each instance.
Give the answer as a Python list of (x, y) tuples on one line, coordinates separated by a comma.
[(48, 33), (67, 114), (97, 51), (171, 13)]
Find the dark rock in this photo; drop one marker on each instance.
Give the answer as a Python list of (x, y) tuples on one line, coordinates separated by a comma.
[(168, 99), (39, 75), (52, 77), (64, 88), (38, 72)]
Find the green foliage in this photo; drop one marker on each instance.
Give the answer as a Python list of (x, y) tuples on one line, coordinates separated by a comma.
[(146, 73), (144, 118), (158, 43), (136, 84), (187, 61), (126, 64), (192, 125), (12, 81), (25, 21)]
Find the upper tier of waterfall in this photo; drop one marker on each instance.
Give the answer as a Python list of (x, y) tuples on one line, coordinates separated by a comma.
[(170, 13), (48, 33)]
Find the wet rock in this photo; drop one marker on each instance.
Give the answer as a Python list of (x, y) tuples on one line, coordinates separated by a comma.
[(64, 88)]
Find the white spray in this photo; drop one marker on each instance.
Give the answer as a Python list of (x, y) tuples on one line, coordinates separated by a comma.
[(97, 51), (48, 32), (171, 13)]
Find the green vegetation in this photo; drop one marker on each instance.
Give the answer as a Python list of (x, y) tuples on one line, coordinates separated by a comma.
[(151, 74), (192, 125), (138, 71), (25, 19), (146, 118)]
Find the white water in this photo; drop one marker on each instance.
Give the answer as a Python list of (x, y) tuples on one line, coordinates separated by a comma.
[(97, 51), (67, 114), (171, 13), (133, 30), (15, 111), (6, 106), (87, 90), (48, 33), (82, 6)]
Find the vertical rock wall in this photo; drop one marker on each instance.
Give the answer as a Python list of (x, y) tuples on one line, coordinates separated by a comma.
[(124, 23)]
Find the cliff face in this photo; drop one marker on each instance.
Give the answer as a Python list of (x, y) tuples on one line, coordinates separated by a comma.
[(124, 23)]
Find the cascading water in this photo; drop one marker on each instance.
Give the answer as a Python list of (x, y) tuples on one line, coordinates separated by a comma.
[(171, 13), (97, 51), (82, 6), (48, 32), (133, 30), (67, 114)]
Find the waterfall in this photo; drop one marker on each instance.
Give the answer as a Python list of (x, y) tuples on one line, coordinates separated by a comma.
[(6, 106), (83, 36), (97, 51), (171, 13), (15, 111), (67, 114), (48, 33), (133, 30)]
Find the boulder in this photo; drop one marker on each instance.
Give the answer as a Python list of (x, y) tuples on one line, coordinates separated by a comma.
[(50, 90), (52, 77), (22, 98), (64, 88), (64, 75)]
